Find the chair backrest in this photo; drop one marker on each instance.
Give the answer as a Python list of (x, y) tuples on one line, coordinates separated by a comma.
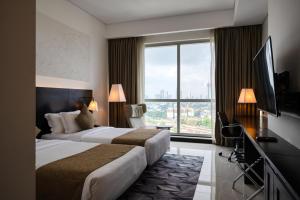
[(134, 115), (223, 119), (227, 129)]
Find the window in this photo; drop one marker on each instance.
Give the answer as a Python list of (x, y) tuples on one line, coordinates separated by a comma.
[(178, 86)]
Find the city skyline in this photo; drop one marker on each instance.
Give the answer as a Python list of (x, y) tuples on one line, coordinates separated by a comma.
[(161, 71)]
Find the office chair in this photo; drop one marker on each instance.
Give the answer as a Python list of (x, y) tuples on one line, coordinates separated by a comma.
[(233, 132)]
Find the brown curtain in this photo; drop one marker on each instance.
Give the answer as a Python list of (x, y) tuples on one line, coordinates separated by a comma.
[(123, 63), (234, 50)]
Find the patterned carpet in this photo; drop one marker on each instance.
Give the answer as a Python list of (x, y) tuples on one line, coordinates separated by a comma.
[(173, 177)]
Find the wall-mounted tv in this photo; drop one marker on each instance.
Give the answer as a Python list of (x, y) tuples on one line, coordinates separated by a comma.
[(265, 79)]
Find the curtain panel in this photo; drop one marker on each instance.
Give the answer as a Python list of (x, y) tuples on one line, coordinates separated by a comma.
[(123, 69), (235, 49)]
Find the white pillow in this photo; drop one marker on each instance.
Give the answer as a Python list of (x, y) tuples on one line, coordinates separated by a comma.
[(69, 122), (55, 122)]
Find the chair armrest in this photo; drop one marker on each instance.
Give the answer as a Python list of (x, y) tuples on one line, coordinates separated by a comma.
[(235, 124), (232, 126)]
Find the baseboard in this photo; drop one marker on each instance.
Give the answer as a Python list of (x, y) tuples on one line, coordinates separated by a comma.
[(191, 139)]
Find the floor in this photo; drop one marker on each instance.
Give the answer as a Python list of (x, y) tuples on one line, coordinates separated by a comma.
[(217, 174)]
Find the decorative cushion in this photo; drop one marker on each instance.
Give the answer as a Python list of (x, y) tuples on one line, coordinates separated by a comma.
[(137, 111), (68, 120), (55, 122), (85, 119)]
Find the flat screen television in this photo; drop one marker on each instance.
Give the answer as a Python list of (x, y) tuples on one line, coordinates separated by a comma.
[(265, 90)]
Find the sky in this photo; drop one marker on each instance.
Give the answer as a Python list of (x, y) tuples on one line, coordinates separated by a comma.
[(161, 70)]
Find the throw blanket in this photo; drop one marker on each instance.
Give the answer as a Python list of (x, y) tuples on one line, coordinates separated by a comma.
[(64, 179), (136, 137)]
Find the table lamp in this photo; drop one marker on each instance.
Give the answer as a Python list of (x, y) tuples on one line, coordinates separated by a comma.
[(247, 96), (116, 94)]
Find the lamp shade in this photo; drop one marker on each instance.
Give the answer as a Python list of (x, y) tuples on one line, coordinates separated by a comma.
[(247, 96), (116, 94), (93, 106)]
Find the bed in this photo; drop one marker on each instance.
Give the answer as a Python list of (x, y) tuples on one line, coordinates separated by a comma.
[(56, 100), (155, 146), (107, 182)]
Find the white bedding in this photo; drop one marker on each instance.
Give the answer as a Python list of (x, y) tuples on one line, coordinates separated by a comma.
[(107, 182), (155, 147)]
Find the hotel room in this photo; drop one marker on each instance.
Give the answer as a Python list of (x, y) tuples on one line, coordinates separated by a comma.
[(138, 100)]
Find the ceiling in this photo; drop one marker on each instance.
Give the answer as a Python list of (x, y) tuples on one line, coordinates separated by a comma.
[(117, 11)]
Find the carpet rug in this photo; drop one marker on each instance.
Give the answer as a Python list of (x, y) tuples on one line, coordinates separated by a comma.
[(173, 177)]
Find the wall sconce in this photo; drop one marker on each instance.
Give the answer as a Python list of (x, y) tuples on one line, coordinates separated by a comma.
[(93, 106)]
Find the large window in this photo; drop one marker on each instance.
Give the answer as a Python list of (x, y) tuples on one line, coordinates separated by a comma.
[(178, 86)]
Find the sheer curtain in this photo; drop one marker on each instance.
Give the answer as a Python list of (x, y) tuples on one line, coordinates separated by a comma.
[(213, 85), (140, 70)]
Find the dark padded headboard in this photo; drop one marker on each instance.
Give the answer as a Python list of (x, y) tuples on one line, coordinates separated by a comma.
[(55, 100)]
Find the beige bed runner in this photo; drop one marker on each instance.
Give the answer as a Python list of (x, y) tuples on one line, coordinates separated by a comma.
[(136, 137), (64, 179)]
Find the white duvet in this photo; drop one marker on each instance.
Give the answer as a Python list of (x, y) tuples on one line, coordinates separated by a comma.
[(155, 147), (105, 183)]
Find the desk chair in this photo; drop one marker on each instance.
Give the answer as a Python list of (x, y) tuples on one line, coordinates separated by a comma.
[(233, 132)]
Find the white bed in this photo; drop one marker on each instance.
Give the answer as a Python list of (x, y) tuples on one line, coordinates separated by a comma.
[(155, 147), (107, 182)]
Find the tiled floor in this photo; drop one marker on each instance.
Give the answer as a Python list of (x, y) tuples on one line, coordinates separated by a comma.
[(217, 174)]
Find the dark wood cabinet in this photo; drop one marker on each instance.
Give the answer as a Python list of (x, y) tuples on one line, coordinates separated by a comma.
[(274, 187)]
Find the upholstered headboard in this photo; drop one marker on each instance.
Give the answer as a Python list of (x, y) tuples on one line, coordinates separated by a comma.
[(55, 100)]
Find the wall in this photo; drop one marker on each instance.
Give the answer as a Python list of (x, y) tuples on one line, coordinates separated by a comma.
[(17, 83), (284, 28), (265, 32), (183, 36), (181, 23), (71, 28)]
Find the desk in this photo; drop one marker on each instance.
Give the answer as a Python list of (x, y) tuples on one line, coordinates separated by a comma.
[(281, 167)]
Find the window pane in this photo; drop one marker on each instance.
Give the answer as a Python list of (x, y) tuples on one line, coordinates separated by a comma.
[(161, 113), (195, 117), (161, 72), (195, 64)]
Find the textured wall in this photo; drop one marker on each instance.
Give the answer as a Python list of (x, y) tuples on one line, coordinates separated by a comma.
[(62, 51), (72, 51)]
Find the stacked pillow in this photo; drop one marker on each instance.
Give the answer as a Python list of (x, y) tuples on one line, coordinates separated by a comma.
[(70, 122)]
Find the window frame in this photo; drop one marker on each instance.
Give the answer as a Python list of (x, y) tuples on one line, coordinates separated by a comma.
[(178, 99)]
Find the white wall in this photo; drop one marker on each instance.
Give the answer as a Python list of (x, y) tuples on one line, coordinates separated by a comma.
[(182, 36), (265, 32), (284, 28), (181, 23), (66, 13)]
